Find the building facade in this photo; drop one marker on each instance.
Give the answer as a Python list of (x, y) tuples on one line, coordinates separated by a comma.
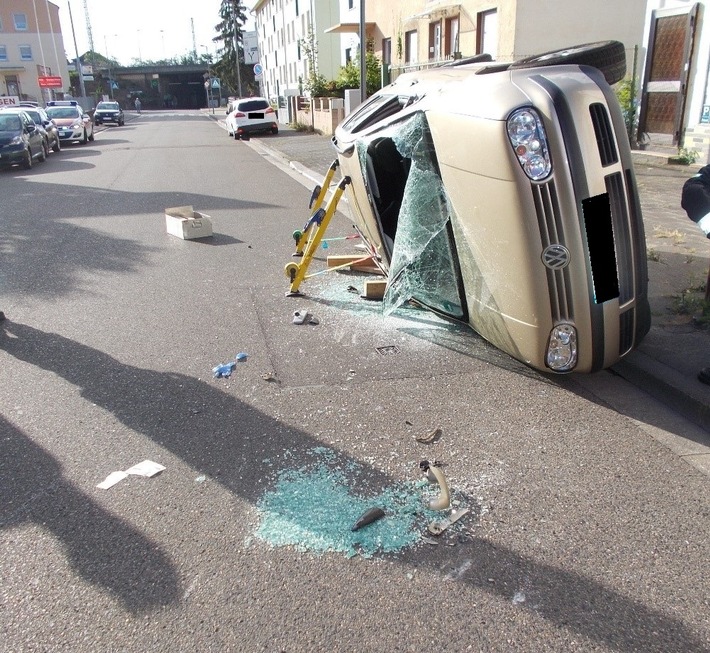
[(282, 26), (31, 46)]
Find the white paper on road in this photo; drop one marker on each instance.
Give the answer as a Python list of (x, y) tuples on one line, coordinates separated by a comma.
[(112, 479), (146, 468)]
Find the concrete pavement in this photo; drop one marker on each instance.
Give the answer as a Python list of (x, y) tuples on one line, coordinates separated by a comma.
[(667, 362)]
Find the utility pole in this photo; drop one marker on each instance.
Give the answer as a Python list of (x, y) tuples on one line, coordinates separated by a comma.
[(78, 60), (363, 54)]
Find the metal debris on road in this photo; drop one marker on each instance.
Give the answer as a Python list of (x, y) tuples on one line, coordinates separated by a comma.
[(368, 517), (430, 437), (439, 526)]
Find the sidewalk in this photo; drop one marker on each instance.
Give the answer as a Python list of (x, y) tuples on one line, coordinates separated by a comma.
[(667, 362)]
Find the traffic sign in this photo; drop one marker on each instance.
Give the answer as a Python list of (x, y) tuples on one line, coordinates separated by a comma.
[(215, 82), (258, 69), (50, 82)]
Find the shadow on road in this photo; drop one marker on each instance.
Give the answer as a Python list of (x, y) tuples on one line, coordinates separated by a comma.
[(100, 547), (227, 440)]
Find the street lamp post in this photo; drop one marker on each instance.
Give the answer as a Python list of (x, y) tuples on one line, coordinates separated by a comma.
[(108, 61), (208, 83)]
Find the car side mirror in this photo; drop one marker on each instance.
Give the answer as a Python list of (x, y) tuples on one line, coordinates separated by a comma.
[(30, 129)]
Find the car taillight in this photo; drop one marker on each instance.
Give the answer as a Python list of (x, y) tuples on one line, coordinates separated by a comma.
[(269, 110), (239, 114)]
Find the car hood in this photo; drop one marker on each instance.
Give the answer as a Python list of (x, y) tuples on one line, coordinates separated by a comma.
[(64, 122), (6, 137)]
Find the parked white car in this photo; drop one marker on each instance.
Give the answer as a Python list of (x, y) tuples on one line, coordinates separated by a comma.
[(251, 115)]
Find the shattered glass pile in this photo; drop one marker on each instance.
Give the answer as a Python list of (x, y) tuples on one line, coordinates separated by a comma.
[(313, 509)]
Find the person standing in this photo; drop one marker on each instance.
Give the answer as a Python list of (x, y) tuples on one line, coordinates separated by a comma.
[(695, 200), (137, 104)]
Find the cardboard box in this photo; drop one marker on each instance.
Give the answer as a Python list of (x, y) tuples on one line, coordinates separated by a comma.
[(184, 222)]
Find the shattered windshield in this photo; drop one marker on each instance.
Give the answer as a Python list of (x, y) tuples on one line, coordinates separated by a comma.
[(414, 215)]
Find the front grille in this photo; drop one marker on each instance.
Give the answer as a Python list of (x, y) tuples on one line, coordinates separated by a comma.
[(604, 134), (627, 328), (622, 236), (547, 209)]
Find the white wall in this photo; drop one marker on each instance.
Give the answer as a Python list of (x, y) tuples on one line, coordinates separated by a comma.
[(543, 25)]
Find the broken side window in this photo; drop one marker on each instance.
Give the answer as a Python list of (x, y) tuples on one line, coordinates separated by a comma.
[(414, 215)]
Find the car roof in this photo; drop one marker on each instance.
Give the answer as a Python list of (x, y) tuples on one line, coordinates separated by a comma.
[(15, 110)]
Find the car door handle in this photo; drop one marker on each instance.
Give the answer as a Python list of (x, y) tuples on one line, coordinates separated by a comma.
[(347, 150)]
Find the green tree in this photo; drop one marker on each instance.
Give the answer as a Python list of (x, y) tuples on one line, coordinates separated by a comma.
[(315, 84), (349, 76), (229, 35)]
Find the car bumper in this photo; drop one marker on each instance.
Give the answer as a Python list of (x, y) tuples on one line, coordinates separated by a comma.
[(103, 119), (12, 156), (71, 134), (256, 128)]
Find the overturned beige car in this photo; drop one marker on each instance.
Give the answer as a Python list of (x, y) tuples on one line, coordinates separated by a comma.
[(503, 195)]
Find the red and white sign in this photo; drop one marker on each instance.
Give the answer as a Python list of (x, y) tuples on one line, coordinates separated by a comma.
[(9, 101), (50, 82)]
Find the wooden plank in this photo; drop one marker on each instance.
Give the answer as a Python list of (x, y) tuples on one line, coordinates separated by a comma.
[(374, 289), (343, 259)]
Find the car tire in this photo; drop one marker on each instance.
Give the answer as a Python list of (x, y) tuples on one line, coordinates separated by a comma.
[(44, 153), (57, 147), (91, 138), (27, 161), (274, 130), (607, 56)]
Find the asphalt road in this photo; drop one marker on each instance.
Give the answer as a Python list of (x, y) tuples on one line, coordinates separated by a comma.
[(585, 532)]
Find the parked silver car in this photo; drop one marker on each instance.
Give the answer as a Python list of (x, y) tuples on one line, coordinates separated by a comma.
[(504, 195)]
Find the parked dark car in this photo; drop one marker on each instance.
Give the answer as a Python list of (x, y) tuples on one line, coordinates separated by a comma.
[(44, 122), (108, 112), (21, 141)]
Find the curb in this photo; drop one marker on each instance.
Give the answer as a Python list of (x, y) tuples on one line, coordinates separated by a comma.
[(664, 384)]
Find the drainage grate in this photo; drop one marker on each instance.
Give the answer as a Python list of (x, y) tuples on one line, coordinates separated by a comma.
[(386, 351)]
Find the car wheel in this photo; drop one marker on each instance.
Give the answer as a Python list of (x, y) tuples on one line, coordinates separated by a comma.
[(608, 56), (27, 161), (274, 130), (44, 153), (57, 147), (91, 138)]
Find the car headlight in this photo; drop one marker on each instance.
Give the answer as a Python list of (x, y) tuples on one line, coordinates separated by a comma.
[(562, 348), (17, 140), (527, 136), (77, 124)]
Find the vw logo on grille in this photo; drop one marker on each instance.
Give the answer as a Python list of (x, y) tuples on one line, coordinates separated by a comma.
[(555, 257)]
